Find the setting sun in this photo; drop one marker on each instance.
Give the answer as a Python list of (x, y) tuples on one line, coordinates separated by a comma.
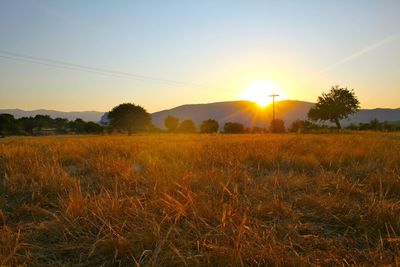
[(260, 92)]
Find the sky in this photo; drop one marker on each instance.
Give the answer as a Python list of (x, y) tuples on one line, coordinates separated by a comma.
[(94, 55)]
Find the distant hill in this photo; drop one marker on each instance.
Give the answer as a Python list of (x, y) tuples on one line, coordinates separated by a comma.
[(245, 112), (249, 114), (382, 114), (84, 115)]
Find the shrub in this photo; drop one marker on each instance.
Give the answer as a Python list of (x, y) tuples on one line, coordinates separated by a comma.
[(233, 127), (187, 126), (209, 126), (277, 126)]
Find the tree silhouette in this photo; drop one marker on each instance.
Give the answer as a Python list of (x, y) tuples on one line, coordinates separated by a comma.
[(60, 124), (78, 125), (93, 128), (233, 127), (129, 117), (296, 126), (277, 126), (27, 124), (43, 121), (44, 124), (154, 129), (8, 124), (171, 123), (209, 126), (187, 126), (334, 106)]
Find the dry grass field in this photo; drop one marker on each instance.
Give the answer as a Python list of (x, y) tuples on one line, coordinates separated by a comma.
[(195, 200)]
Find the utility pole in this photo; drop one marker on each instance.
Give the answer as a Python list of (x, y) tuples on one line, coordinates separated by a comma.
[(273, 105)]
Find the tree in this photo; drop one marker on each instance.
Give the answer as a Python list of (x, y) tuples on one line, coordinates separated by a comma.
[(258, 129), (78, 126), (93, 128), (209, 126), (296, 126), (129, 117), (60, 124), (277, 126), (187, 126), (233, 127), (375, 124), (27, 124), (43, 121), (154, 129), (334, 106), (8, 124), (171, 123)]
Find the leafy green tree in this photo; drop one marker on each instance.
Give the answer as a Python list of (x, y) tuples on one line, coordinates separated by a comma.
[(129, 117), (209, 126), (43, 121), (277, 126), (233, 127), (93, 128), (8, 124), (60, 124), (78, 125), (27, 124), (187, 126), (334, 106), (171, 123)]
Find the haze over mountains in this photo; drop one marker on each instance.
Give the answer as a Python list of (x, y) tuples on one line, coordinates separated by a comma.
[(249, 114), (245, 112), (72, 115)]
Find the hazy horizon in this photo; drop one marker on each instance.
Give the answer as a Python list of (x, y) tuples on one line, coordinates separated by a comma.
[(168, 108), (80, 56)]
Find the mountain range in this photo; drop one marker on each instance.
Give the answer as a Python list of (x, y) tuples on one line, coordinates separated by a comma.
[(245, 112), (70, 115), (250, 114)]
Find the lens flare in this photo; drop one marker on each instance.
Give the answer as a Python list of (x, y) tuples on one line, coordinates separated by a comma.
[(260, 92)]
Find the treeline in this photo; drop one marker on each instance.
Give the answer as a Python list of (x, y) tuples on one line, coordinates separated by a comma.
[(174, 125), (376, 125), (130, 118), (45, 125), (373, 125)]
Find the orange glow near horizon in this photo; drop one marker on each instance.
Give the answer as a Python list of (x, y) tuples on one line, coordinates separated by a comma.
[(259, 92)]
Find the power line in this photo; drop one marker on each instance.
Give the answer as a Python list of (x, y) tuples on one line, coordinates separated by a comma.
[(78, 67), (57, 66)]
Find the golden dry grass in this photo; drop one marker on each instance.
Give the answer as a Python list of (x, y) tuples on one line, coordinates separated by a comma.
[(252, 200)]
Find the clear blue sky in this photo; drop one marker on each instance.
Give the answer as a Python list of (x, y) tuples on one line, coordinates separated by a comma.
[(303, 47)]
